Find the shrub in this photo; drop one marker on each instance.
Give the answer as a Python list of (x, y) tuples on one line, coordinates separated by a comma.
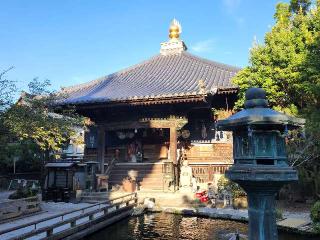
[(315, 216), (315, 212), (316, 227), (279, 214), (23, 193), (225, 184)]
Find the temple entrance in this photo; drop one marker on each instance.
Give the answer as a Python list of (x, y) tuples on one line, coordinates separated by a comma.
[(140, 151), (144, 145)]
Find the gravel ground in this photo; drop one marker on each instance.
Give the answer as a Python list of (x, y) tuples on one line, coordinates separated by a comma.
[(4, 195)]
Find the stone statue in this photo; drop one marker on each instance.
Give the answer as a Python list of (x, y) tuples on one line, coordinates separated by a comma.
[(186, 177)]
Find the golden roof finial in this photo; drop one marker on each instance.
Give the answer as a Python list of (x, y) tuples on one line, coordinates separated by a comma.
[(175, 29), (174, 45)]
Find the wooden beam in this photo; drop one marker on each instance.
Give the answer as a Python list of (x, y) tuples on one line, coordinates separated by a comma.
[(173, 144), (145, 101), (101, 147), (146, 123)]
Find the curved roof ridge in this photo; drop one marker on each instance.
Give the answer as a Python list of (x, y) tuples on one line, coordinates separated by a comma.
[(101, 79), (211, 62), (159, 76), (76, 87)]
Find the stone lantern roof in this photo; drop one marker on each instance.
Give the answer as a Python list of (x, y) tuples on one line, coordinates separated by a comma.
[(257, 112)]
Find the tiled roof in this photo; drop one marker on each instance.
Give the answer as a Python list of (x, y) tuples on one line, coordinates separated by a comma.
[(161, 76)]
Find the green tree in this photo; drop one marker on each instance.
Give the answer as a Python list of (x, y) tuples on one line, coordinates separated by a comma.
[(287, 66), (30, 130), (7, 88), (33, 118), (277, 64), (299, 5)]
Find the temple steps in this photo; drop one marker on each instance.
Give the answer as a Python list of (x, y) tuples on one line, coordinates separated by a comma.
[(94, 197), (150, 176), (121, 176)]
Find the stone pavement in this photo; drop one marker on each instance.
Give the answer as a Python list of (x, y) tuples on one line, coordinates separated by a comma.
[(292, 222), (296, 221), (5, 194), (49, 209), (184, 203)]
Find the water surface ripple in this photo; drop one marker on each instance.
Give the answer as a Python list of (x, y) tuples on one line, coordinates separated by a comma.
[(171, 226)]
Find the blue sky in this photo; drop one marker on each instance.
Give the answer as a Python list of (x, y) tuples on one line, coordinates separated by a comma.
[(74, 41)]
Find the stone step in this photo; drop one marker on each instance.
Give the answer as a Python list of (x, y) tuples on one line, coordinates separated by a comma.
[(97, 194), (139, 182), (149, 176), (94, 199), (139, 177), (155, 183), (137, 169), (139, 165), (151, 187)]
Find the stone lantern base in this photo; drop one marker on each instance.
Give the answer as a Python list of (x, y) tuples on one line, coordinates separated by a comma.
[(261, 185)]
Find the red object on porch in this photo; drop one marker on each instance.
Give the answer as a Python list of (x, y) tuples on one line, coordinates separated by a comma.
[(204, 198), (200, 194)]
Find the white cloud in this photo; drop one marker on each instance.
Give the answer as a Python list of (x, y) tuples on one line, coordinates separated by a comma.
[(240, 21), (203, 46), (232, 9), (231, 5)]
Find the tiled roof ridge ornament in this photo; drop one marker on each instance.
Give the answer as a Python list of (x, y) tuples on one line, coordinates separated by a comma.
[(175, 45), (202, 86)]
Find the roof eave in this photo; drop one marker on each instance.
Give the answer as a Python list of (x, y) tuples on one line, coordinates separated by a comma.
[(145, 101)]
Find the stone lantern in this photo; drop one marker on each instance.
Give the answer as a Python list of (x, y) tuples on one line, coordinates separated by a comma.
[(260, 159)]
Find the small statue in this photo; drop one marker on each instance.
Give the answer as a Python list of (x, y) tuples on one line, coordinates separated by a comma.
[(186, 176), (204, 133)]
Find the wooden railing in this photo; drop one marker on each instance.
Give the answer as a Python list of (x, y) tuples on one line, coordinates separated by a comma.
[(204, 173), (86, 217), (18, 207), (110, 166)]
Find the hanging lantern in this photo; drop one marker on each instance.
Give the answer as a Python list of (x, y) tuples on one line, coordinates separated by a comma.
[(185, 134)]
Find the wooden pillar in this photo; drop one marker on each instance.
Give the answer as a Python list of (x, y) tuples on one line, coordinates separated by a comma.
[(67, 178), (173, 155), (55, 178), (101, 147), (173, 144), (48, 178)]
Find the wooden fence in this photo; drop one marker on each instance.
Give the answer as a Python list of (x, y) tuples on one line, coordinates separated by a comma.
[(205, 173), (67, 226)]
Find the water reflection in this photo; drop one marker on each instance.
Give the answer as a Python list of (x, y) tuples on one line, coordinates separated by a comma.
[(170, 226)]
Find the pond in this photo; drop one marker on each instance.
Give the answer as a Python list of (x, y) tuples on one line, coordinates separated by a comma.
[(171, 226)]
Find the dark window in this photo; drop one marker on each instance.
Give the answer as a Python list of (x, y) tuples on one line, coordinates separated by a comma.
[(265, 162)]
